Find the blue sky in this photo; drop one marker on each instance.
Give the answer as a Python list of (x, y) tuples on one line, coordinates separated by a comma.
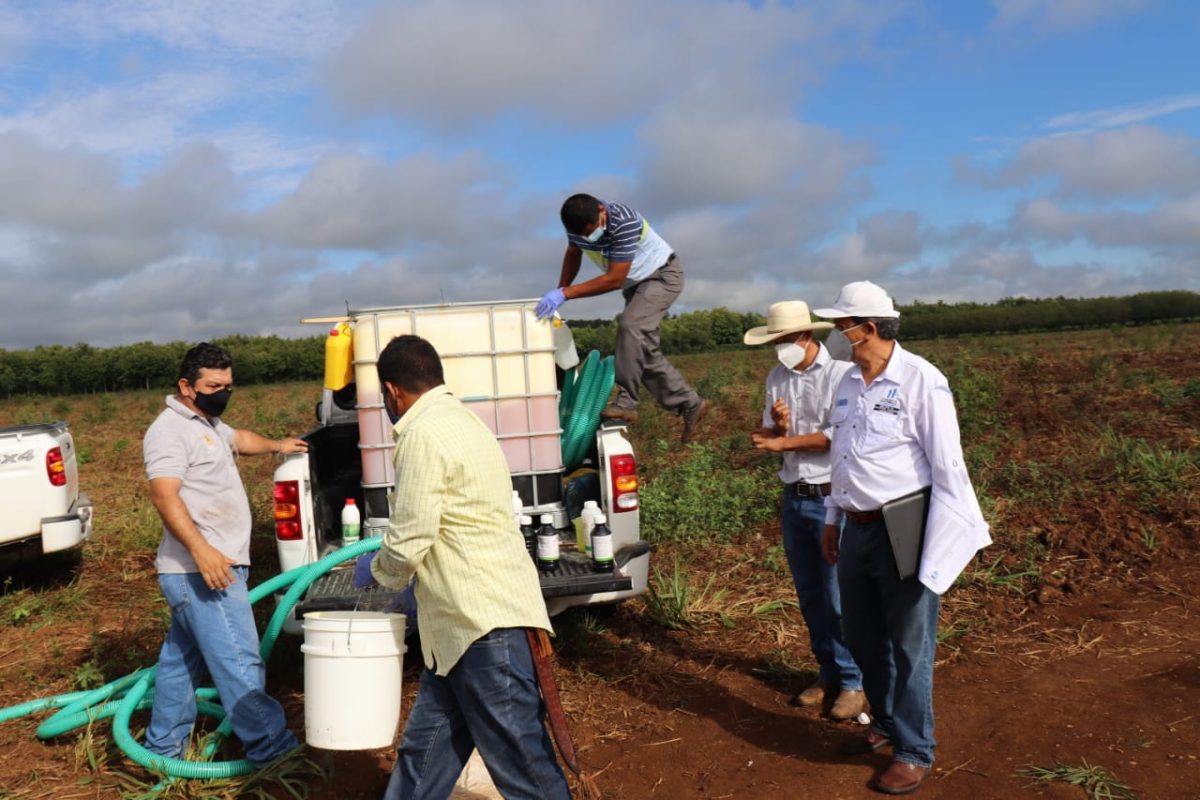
[(177, 171)]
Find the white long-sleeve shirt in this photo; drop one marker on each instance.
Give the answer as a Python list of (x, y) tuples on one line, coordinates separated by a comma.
[(809, 397), (899, 435)]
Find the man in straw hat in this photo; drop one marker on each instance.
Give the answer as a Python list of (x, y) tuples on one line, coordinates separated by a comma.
[(795, 422), (895, 437)]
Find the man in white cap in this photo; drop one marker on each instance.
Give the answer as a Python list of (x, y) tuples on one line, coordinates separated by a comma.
[(895, 435), (795, 422)]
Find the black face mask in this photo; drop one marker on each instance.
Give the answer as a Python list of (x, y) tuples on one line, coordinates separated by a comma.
[(393, 417), (213, 403)]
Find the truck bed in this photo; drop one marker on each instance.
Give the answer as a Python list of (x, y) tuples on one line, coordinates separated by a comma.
[(334, 591)]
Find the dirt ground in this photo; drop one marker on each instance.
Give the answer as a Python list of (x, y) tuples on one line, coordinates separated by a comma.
[(1111, 679), (1084, 649)]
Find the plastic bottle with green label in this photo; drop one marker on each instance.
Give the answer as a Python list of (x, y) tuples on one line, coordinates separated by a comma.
[(351, 523)]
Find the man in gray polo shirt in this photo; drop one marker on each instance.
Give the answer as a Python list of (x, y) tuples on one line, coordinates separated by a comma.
[(204, 561)]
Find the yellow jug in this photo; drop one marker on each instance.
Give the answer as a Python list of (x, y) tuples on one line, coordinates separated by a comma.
[(339, 357)]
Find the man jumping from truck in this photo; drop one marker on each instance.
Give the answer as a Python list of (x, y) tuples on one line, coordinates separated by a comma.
[(642, 265), (477, 591)]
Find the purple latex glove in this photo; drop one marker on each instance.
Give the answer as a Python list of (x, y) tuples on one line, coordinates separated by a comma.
[(362, 571), (550, 303)]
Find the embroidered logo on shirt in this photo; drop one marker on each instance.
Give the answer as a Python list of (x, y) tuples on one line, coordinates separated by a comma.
[(208, 440), (888, 405), (843, 402)]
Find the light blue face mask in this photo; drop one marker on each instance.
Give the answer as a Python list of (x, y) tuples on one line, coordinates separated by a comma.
[(595, 235)]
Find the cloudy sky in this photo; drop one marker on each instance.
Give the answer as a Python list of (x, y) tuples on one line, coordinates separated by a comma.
[(178, 170)]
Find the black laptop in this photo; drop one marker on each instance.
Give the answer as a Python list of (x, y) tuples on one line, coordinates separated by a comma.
[(904, 518)]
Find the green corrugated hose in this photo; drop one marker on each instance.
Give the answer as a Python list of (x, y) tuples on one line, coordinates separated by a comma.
[(133, 692), (585, 392), (579, 409)]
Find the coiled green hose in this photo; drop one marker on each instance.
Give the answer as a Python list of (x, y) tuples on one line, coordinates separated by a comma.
[(133, 692), (585, 393), (579, 408)]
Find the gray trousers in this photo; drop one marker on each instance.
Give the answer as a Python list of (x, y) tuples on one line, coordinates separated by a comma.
[(639, 359)]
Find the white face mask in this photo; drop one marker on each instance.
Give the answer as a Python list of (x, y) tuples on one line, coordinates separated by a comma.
[(839, 346), (790, 353), (595, 235)]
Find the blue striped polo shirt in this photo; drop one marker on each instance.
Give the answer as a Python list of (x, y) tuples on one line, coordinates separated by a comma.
[(627, 237)]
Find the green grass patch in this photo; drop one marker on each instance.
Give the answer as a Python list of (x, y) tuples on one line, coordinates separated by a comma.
[(672, 602), (1096, 781), (706, 498), (977, 396), (1154, 469)]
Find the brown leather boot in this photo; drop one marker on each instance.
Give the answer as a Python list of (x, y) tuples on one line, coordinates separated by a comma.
[(900, 777), (848, 705), (616, 412), (691, 421)]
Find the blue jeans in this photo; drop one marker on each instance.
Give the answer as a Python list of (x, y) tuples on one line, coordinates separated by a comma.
[(488, 702), (803, 521), (213, 630), (891, 628)]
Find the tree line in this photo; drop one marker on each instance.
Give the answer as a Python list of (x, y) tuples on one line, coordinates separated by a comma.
[(719, 328), (81, 368)]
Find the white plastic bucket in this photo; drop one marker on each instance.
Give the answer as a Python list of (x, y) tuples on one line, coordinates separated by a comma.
[(353, 661)]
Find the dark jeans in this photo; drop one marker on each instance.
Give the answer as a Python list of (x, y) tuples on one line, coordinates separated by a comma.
[(488, 702), (803, 521), (890, 626), (639, 358)]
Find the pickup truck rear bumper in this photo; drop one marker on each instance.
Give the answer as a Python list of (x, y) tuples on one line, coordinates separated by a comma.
[(69, 530)]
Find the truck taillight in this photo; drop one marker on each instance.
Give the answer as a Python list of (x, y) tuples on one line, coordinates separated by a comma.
[(56, 468), (287, 511), (624, 483)]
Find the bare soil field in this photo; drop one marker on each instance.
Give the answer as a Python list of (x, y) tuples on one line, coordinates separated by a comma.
[(1071, 646)]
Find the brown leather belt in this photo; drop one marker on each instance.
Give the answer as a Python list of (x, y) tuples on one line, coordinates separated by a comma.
[(865, 517), (802, 489)]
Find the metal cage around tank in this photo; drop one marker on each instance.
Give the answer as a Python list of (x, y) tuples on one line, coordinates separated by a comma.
[(498, 359)]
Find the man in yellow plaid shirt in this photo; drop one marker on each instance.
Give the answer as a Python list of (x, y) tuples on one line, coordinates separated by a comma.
[(476, 589)]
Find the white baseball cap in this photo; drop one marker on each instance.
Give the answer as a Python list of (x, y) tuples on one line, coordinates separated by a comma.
[(860, 299)]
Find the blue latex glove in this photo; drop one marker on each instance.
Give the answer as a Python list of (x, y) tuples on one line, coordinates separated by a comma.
[(550, 303), (362, 570)]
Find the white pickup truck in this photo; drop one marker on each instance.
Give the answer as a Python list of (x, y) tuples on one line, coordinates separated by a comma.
[(499, 360), (41, 508)]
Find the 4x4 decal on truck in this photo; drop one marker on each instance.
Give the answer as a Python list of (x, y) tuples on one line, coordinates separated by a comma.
[(12, 458)]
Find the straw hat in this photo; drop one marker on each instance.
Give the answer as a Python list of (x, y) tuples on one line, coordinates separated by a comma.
[(860, 299), (790, 316)]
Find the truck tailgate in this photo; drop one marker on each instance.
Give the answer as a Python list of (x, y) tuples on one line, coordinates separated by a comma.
[(335, 590)]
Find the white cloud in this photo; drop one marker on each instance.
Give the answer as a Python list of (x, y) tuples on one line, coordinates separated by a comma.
[(1174, 224), (263, 28), (1058, 16), (1119, 116), (131, 119), (75, 216), (353, 201), (453, 63), (719, 156), (1136, 161), (882, 243)]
